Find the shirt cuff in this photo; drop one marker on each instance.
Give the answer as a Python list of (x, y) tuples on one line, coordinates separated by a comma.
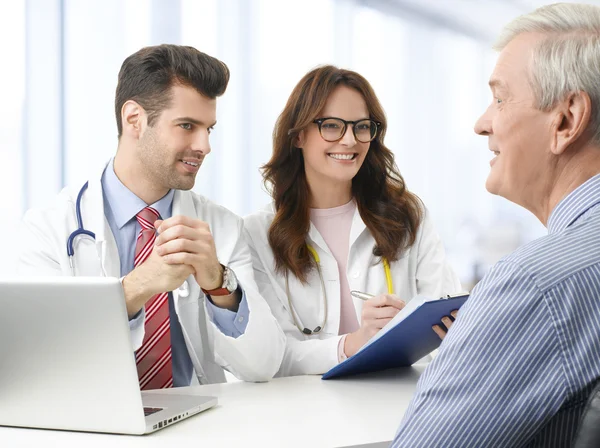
[(341, 355), (230, 323)]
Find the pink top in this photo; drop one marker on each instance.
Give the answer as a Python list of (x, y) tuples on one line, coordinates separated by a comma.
[(334, 226)]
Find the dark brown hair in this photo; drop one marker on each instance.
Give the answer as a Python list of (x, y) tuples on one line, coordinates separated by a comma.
[(147, 76), (391, 212)]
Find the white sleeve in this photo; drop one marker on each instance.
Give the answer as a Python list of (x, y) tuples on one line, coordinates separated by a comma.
[(255, 355), (38, 255)]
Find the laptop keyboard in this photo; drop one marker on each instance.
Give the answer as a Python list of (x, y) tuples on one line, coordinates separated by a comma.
[(150, 411)]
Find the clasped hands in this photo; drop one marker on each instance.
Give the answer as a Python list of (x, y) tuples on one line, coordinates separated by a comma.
[(184, 246)]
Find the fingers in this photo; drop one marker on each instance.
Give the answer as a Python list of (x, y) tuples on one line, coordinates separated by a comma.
[(183, 221), (383, 300), (201, 248), (182, 258), (384, 312), (447, 322), (177, 231), (438, 330)]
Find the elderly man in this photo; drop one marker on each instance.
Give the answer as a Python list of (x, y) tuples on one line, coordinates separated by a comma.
[(521, 359)]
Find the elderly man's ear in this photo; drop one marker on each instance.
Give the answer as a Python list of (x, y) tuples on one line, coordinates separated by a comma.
[(571, 121)]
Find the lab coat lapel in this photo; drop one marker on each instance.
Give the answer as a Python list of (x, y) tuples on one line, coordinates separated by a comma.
[(357, 228), (190, 299), (317, 240), (92, 210), (183, 204)]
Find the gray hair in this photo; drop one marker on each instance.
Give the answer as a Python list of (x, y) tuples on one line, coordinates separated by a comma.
[(568, 60)]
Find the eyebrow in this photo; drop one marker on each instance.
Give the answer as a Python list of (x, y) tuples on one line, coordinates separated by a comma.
[(193, 121), (497, 84)]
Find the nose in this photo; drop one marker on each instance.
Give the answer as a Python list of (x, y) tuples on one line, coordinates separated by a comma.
[(483, 126), (202, 142), (348, 138)]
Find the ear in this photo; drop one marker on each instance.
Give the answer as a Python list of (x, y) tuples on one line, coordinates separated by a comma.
[(572, 120), (133, 118), (300, 139)]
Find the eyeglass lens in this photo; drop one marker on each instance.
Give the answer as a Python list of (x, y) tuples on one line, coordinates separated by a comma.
[(333, 129)]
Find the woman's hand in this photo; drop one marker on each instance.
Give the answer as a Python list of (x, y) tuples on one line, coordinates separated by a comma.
[(447, 321), (376, 313)]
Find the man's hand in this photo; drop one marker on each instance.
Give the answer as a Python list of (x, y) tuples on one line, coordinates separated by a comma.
[(153, 276), (447, 322), (376, 313), (183, 240)]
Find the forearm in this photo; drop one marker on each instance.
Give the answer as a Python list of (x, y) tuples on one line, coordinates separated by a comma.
[(137, 293), (309, 357)]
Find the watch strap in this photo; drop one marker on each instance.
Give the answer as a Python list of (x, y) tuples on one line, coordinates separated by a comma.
[(216, 292)]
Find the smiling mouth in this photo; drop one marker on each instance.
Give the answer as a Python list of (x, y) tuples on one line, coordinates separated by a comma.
[(343, 156), (195, 165)]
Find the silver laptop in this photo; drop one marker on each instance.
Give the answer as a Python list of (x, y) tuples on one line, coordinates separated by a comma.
[(66, 361)]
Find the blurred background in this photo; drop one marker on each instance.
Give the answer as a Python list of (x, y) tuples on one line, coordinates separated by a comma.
[(428, 60)]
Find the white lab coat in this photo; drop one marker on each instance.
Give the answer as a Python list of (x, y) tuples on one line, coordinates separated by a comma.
[(422, 270), (254, 356)]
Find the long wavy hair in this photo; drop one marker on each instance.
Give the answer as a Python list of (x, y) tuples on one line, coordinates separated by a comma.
[(391, 212)]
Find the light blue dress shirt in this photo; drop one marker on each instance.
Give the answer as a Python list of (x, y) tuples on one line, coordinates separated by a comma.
[(121, 206), (524, 353)]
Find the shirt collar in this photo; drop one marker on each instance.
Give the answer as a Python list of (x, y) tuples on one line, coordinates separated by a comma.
[(574, 205), (125, 204)]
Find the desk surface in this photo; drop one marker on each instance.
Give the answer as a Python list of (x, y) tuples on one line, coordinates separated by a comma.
[(302, 411)]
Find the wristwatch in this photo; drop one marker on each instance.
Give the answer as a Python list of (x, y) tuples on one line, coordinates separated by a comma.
[(230, 284)]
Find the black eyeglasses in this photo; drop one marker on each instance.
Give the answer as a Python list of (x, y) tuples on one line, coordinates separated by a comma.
[(333, 129)]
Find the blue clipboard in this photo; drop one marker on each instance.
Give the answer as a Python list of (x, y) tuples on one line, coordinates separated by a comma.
[(404, 344)]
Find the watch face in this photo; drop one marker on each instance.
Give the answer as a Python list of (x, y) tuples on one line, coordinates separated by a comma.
[(229, 280)]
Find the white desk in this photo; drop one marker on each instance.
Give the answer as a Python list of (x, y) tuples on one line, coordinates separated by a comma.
[(303, 412)]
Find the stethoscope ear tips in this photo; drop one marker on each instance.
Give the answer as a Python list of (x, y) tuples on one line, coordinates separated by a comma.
[(306, 331), (316, 330)]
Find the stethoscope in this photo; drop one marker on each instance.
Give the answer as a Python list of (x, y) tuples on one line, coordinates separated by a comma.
[(319, 328), (79, 231), (184, 289)]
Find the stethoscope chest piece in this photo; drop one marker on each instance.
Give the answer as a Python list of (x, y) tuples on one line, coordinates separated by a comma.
[(184, 289)]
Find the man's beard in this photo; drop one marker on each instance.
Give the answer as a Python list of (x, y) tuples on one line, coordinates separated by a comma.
[(159, 166)]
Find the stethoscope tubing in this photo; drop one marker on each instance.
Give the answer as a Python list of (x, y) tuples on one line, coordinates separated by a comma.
[(80, 229), (319, 328)]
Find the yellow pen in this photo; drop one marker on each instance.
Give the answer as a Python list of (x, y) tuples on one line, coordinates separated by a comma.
[(361, 295)]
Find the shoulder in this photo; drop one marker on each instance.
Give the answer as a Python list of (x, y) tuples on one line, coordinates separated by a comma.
[(554, 258), (257, 224), (216, 215), (426, 232), (62, 206)]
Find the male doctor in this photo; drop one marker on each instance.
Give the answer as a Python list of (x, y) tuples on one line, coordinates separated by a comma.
[(186, 272)]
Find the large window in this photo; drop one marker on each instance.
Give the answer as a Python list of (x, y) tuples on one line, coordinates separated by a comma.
[(14, 164), (58, 121)]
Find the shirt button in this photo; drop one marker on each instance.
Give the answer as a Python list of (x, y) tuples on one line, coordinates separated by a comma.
[(355, 274), (241, 319)]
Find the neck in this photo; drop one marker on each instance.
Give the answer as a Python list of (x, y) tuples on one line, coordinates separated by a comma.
[(135, 177), (328, 193), (567, 177)]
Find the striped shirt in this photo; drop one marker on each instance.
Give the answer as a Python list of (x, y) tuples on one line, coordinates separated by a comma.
[(523, 356)]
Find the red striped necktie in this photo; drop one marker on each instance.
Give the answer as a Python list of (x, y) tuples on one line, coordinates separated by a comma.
[(153, 359)]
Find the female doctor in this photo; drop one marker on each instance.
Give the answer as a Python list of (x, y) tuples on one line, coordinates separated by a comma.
[(341, 220)]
